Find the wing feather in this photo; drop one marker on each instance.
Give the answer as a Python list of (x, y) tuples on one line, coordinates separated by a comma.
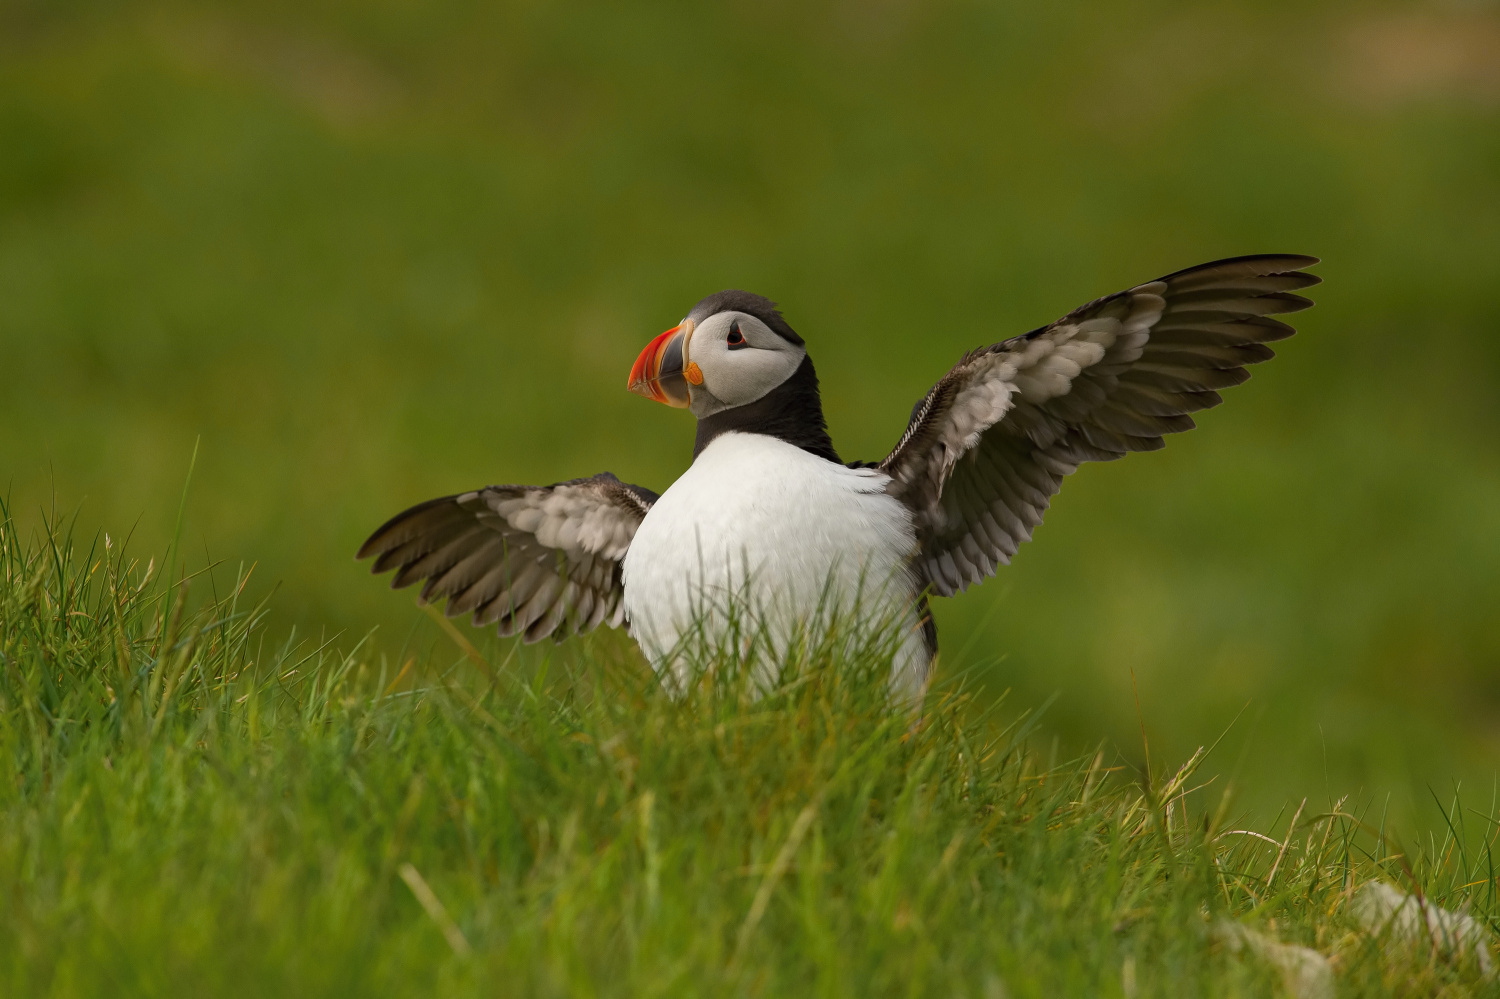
[(536, 560), (989, 445)]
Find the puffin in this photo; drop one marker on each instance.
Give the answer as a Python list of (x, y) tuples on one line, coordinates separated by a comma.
[(769, 524)]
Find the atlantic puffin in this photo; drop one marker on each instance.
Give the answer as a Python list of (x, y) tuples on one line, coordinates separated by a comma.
[(768, 510)]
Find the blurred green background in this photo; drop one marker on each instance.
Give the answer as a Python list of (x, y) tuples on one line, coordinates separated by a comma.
[(375, 252)]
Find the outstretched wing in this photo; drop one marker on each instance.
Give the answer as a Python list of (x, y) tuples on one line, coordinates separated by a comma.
[(537, 560), (988, 447)]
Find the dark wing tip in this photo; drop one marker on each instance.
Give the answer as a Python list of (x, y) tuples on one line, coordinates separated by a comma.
[(1286, 302), (1285, 261), (385, 536), (1266, 263)]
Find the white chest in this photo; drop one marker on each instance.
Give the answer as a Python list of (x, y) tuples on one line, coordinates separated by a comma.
[(770, 527)]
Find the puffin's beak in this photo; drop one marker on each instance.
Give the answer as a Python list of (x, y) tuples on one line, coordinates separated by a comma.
[(658, 372)]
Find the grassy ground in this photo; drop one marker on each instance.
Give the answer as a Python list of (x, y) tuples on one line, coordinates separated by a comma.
[(372, 253), (378, 252), (198, 811)]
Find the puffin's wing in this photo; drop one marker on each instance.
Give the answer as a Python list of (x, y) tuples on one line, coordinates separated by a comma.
[(539, 560), (988, 447)]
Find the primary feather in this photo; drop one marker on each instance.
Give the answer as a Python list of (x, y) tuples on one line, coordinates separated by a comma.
[(989, 445), (533, 560)]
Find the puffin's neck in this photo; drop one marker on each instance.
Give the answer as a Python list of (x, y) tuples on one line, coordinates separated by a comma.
[(791, 412)]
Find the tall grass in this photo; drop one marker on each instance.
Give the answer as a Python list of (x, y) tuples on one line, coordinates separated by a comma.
[(194, 812)]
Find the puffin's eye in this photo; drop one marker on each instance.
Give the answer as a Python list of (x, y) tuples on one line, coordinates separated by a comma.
[(736, 338)]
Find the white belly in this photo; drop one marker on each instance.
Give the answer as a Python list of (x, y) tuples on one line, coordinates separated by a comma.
[(769, 530)]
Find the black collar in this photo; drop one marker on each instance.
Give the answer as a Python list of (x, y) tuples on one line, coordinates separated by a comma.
[(791, 412)]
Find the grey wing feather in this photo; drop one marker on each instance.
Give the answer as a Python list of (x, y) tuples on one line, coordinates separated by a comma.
[(989, 446), (536, 561)]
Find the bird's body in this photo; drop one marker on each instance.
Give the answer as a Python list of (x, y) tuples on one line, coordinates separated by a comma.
[(770, 529), (758, 527)]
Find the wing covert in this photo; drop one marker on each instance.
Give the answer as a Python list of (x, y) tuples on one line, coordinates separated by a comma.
[(990, 444), (537, 561)]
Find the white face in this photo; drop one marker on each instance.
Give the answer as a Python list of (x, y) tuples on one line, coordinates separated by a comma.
[(740, 359)]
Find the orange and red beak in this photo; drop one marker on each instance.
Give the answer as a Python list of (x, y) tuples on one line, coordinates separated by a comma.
[(658, 372)]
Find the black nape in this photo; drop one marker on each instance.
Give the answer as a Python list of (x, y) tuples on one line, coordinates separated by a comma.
[(791, 412)]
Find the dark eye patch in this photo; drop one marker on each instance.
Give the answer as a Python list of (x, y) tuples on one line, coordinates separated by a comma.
[(736, 339)]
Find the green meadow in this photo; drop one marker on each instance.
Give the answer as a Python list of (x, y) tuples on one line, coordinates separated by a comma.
[(197, 810), (355, 256)]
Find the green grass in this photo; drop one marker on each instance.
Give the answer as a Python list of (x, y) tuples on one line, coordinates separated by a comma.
[(377, 252), (198, 811)]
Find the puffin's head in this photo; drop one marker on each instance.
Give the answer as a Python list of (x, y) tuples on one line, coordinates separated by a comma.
[(731, 350)]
